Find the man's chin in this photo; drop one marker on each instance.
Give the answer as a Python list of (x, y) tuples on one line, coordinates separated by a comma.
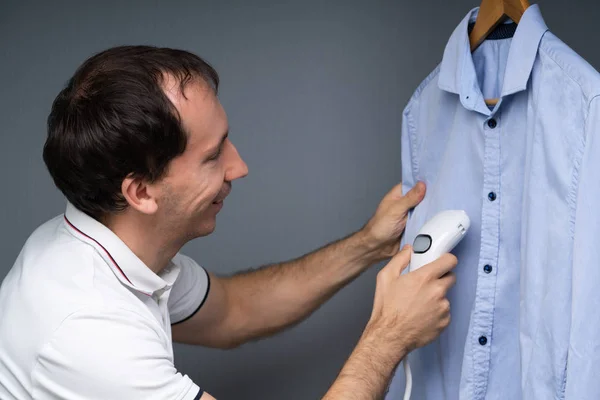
[(206, 228)]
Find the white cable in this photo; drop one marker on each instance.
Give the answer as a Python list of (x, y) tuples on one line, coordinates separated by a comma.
[(408, 376)]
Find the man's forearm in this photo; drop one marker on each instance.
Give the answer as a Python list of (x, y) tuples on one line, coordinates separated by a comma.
[(368, 371), (274, 297)]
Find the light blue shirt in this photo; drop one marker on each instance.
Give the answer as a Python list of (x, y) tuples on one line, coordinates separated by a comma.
[(526, 304)]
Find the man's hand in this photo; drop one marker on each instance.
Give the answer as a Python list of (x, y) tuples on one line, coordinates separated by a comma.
[(409, 311), (385, 228)]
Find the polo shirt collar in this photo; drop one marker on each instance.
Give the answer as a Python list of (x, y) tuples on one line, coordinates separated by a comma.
[(457, 71), (128, 268)]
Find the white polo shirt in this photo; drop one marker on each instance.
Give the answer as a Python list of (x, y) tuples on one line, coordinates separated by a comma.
[(82, 317)]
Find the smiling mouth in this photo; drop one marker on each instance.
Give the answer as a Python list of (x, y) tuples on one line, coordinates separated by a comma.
[(223, 196)]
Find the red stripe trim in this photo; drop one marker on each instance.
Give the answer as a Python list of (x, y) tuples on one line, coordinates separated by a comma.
[(106, 251)]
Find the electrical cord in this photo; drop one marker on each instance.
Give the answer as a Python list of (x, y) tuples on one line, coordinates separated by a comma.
[(408, 375)]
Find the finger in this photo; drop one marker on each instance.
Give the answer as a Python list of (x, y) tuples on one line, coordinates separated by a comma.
[(400, 261), (397, 193), (413, 197), (441, 266), (445, 306), (448, 280), (445, 321)]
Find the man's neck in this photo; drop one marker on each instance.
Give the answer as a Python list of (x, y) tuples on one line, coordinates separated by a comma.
[(145, 239)]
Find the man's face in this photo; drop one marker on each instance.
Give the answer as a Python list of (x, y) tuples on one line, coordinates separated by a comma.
[(197, 182)]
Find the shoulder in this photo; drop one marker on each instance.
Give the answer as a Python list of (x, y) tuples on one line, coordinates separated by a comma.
[(56, 276), (563, 63), (53, 244), (190, 271), (53, 276), (427, 87)]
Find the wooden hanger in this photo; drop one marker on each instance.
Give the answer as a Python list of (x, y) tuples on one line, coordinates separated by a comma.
[(491, 14)]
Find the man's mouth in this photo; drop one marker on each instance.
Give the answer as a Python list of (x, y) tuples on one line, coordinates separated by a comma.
[(220, 199)]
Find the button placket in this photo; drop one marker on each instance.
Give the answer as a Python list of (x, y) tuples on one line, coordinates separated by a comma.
[(161, 297), (483, 312)]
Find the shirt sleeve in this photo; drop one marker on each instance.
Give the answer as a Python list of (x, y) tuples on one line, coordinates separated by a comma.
[(583, 358), (189, 291), (408, 164), (108, 354), (406, 150)]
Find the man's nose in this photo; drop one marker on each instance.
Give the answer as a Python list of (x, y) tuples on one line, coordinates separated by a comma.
[(238, 168)]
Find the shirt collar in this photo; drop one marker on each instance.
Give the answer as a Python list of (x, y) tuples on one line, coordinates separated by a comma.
[(457, 72), (130, 270)]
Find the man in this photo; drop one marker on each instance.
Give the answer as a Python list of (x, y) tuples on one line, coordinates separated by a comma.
[(138, 143)]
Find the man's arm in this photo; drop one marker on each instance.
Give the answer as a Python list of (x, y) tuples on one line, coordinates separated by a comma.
[(368, 370), (409, 311), (258, 303)]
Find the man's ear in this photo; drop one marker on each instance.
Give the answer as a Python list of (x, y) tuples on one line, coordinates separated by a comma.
[(140, 194)]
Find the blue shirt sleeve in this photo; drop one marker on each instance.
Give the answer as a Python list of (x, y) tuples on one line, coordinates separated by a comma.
[(408, 164), (407, 143), (583, 361)]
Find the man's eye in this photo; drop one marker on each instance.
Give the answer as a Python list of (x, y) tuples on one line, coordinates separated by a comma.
[(215, 156)]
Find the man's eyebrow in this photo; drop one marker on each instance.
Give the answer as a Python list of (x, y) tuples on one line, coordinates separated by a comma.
[(218, 147)]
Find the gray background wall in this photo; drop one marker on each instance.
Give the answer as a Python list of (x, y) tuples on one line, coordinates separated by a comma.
[(314, 92)]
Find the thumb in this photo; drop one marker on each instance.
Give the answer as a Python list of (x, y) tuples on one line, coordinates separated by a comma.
[(400, 261), (413, 196)]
